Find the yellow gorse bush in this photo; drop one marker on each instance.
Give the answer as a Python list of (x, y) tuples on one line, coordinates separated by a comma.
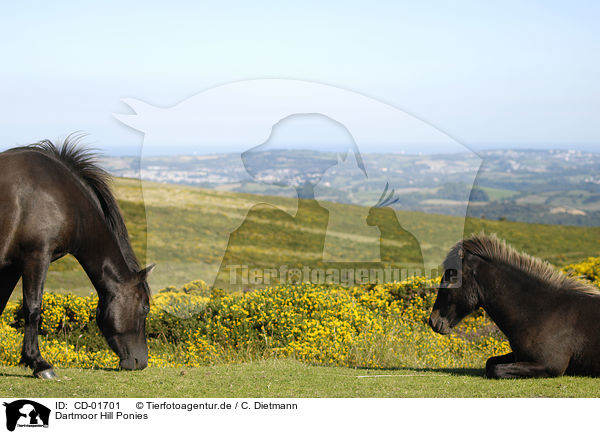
[(588, 270), (369, 326)]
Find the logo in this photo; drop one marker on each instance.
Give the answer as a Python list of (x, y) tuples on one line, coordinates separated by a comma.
[(26, 413), (296, 139)]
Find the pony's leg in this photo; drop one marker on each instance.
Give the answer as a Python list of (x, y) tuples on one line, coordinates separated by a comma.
[(525, 369), (34, 275), (9, 276), (498, 360)]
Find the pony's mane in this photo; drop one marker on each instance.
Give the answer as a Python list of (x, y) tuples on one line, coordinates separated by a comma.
[(490, 247), (82, 163)]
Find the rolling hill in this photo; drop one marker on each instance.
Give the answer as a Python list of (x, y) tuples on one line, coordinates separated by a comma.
[(185, 230)]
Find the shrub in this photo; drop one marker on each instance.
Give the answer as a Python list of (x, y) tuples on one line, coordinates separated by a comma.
[(371, 325), (588, 269)]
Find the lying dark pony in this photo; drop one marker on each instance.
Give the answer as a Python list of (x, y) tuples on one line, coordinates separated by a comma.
[(552, 321)]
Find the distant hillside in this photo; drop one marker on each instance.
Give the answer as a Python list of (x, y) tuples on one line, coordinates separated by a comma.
[(552, 187), (189, 226)]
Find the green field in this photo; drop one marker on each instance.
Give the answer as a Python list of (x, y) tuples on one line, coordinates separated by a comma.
[(498, 193), (288, 378)]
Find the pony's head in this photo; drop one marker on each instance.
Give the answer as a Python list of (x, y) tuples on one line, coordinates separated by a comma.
[(121, 316), (458, 293)]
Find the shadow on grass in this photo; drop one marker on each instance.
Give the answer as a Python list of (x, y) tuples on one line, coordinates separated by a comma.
[(118, 370), (23, 375), (467, 372)]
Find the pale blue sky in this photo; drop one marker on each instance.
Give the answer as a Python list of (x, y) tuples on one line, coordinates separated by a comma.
[(490, 74)]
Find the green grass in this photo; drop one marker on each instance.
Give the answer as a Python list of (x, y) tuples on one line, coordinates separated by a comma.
[(286, 378)]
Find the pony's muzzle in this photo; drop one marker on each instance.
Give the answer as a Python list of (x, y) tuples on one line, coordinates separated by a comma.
[(438, 323), (133, 364)]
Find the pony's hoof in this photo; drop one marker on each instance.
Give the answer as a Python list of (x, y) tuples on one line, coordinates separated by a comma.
[(46, 374)]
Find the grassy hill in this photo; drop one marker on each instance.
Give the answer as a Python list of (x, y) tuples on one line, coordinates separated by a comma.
[(185, 230)]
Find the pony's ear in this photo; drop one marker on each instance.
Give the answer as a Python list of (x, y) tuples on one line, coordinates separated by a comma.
[(108, 271), (143, 274)]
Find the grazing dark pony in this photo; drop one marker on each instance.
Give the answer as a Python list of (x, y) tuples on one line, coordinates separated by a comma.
[(55, 200), (552, 321)]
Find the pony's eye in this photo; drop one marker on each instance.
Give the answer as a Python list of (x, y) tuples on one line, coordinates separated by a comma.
[(146, 309)]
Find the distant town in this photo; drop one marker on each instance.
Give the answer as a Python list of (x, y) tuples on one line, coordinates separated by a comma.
[(554, 186)]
